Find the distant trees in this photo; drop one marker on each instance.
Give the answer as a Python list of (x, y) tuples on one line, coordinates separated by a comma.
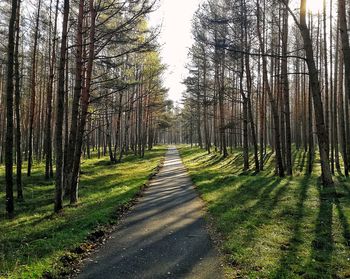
[(280, 83), (90, 87)]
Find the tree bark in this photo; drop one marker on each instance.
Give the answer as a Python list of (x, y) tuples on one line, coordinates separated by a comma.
[(274, 109), (68, 180), (322, 135), (285, 82), (17, 110), (9, 113), (33, 92), (85, 100), (60, 111), (48, 132)]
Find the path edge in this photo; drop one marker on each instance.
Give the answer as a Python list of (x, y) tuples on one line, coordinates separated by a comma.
[(216, 237), (69, 265)]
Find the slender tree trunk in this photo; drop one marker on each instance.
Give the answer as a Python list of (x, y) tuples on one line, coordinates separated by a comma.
[(221, 85), (342, 118), (9, 112), (33, 92), (322, 135), (274, 109), (108, 137), (205, 105), (85, 99), (285, 82), (75, 104), (60, 111), (335, 104), (48, 132), (345, 44), (17, 110), (325, 50), (311, 153), (250, 113)]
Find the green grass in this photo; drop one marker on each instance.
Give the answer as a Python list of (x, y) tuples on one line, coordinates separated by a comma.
[(273, 227), (35, 239)]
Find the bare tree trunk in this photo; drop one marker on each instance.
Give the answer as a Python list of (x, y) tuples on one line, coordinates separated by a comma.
[(250, 114), (284, 69), (75, 104), (221, 85), (311, 153), (205, 105), (335, 104), (85, 99), (48, 140), (9, 112), (341, 118), (325, 50), (345, 44), (60, 111), (108, 137), (274, 109), (17, 110), (33, 92), (322, 135)]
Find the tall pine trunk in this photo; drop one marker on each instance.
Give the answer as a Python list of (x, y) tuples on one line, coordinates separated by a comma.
[(48, 132), (85, 100), (17, 110), (322, 135), (60, 111), (9, 112), (33, 92)]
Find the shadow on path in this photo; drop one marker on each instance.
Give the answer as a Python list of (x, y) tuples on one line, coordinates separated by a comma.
[(164, 236)]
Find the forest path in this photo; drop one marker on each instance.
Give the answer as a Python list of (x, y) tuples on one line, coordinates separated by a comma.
[(164, 236)]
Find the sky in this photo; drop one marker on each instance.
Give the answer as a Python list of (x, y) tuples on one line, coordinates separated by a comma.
[(175, 17)]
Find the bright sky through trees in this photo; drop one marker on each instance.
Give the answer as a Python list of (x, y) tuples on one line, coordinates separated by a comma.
[(315, 5), (175, 17), (176, 38)]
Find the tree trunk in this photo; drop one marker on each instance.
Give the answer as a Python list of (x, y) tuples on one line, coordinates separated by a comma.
[(9, 112), (33, 92), (285, 82), (17, 110), (342, 123), (345, 44), (274, 109), (321, 131), (60, 111), (75, 104), (48, 140), (85, 99)]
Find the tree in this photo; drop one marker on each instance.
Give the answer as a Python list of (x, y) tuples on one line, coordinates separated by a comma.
[(60, 111), (17, 110), (33, 91), (321, 131), (9, 111)]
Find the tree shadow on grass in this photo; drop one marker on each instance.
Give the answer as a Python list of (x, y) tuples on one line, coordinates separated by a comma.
[(320, 261), (49, 236), (248, 202), (319, 264), (37, 239), (290, 260), (300, 160), (344, 222)]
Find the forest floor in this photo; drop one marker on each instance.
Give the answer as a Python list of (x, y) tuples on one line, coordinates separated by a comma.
[(274, 227), (163, 236), (37, 242)]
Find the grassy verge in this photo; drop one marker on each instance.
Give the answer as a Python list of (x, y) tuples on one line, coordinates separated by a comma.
[(33, 242), (273, 227)]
